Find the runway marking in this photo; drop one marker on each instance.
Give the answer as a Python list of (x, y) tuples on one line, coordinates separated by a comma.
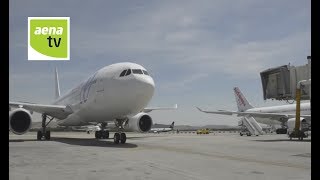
[(308, 155), (185, 174), (222, 156)]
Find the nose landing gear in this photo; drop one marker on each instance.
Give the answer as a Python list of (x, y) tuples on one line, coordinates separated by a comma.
[(44, 133), (120, 137)]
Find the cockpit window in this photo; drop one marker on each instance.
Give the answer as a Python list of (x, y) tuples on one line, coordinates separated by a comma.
[(128, 72), (123, 73), (145, 72), (137, 71)]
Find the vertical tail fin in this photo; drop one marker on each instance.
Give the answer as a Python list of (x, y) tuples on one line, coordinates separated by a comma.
[(172, 125), (242, 102), (57, 86)]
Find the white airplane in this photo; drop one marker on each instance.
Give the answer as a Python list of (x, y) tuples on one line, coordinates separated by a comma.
[(159, 130), (117, 93), (272, 115)]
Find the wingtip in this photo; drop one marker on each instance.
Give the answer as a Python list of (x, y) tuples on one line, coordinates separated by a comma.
[(198, 108)]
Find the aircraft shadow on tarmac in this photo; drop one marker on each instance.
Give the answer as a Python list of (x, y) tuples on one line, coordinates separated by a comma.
[(92, 142), (83, 142), (21, 140), (278, 140)]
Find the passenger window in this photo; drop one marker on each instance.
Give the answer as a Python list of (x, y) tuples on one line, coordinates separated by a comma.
[(137, 71), (128, 72), (123, 73), (145, 72)]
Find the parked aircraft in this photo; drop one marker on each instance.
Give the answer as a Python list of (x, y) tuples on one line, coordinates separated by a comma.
[(273, 115), (117, 93), (159, 130)]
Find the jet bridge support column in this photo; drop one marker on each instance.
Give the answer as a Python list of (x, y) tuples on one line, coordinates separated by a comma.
[(297, 133), (298, 95)]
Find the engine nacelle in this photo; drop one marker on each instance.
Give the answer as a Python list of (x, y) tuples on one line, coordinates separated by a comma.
[(304, 125), (141, 122), (20, 121)]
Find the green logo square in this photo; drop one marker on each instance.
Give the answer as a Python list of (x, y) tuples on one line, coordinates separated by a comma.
[(48, 38)]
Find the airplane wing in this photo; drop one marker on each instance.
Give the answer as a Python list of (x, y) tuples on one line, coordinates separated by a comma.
[(56, 111), (146, 110), (255, 114), (223, 112)]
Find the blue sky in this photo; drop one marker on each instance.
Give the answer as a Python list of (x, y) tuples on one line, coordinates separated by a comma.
[(196, 51)]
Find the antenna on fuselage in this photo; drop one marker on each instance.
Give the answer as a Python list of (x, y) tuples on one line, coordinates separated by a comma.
[(57, 86)]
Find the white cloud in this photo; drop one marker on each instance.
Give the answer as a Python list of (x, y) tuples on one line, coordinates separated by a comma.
[(181, 84), (185, 35)]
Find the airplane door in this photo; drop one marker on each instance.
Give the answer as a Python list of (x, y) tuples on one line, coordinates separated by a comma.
[(99, 91), (100, 85)]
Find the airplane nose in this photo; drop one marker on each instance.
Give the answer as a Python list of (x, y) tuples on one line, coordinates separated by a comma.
[(149, 81), (146, 84)]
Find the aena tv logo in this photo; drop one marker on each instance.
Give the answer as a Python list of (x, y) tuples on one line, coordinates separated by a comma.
[(48, 38)]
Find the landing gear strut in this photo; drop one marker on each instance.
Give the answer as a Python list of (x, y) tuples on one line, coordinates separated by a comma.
[(44, 133), (102, 134), (120, 136)]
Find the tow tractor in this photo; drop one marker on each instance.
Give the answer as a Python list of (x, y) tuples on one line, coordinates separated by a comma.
[(203, 131)]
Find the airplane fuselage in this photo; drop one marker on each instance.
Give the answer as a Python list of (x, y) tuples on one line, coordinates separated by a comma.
[(161, 129), (285, 109), (106, 95)]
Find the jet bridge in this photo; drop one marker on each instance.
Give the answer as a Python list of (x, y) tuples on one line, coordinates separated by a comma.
[(289, 83), (280, 83)]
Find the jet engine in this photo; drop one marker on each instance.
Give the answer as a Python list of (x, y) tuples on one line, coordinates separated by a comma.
[(19, 121), (304, 125), (141, 122)]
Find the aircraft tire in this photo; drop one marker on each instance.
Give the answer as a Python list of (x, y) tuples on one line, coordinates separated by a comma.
[(123, 138), (39, 135), (47, 135), (97, 134), (116, 138), (105, 134)]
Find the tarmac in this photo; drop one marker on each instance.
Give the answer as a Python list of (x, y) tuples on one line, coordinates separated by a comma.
[(77, 155)]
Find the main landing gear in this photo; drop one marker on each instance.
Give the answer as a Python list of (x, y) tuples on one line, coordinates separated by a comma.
[(102, 134), (43, 133)]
